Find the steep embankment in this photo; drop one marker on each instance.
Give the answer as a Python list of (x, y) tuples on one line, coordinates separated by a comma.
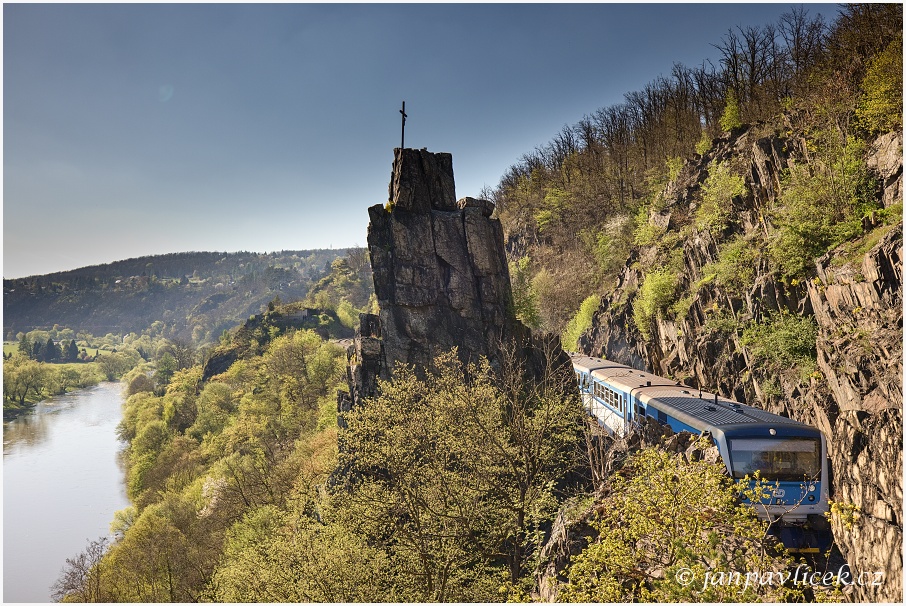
[(704, 302)]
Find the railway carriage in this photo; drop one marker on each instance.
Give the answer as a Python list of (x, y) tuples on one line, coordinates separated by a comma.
[(790, 455)]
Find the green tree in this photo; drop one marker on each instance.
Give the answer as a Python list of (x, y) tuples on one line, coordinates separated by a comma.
[(881, 106), (166, 366), (731, 118), (525, 300), (580, 322), (51, 351), (666, 520), (25, 346), (21, 377), (455, 476)]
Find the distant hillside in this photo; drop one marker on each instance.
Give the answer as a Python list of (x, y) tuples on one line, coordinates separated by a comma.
[(191, 295)]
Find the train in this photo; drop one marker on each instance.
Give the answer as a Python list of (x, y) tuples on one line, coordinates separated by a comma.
[(789, 455)]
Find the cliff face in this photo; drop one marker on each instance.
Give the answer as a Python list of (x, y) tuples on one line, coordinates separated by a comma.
[(856, 301), (440, 276)]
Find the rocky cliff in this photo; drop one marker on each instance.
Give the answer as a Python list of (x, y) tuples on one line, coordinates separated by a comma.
[(854, 296), (440, 277)]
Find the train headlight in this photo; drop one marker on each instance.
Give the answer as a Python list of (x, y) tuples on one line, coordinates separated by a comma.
[(812, 488), (811, 497)]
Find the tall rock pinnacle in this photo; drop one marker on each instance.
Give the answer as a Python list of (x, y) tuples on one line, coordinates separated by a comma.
[(440, 276)]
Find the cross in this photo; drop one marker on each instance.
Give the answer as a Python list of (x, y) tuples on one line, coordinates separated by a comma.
[(403, 135)]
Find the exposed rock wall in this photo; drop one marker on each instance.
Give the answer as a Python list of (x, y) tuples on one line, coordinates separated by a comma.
[(440, 275), (856, 300)]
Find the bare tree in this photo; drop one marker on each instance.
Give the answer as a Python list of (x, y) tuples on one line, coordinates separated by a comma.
[(80, 579)]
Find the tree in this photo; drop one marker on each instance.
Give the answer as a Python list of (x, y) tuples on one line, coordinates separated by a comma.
[(731, 119), (22, 376), (666, 521), (166, 366), (51, 351), (80, 580), (72, 352), (25, 346), (455, 475)]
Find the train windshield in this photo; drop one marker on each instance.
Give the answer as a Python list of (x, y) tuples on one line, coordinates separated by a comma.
[(778, 459)]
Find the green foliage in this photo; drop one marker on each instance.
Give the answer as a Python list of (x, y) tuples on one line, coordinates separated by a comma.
[(610, 244), (716, 208), (821, 205), (203, 455), (881, 106), (782, 341), (665, 521), (731, 118), (735, 266), (704, 144), (454, 477), (674, 166), (657, 292), (525, 299), (580, 323), (274, 556), (646, 233)]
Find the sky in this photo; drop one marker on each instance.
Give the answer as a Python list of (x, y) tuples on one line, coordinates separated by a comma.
[(131, 130)]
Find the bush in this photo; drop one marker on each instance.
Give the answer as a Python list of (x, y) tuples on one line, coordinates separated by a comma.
[(580, 323), (783, 340), (735, 266), (525, 300), (881, 106), (718, 191), (657, 292), (821, 205), (664, 518)]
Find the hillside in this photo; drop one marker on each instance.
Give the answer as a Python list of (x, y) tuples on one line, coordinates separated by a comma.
[(193, 295), (762, 261)]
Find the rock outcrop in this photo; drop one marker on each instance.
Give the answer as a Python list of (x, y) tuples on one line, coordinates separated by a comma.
[(440, 276), (856, 301)]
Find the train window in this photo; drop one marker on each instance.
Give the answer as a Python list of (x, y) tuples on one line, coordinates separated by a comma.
[(662, 417), (783, 459)]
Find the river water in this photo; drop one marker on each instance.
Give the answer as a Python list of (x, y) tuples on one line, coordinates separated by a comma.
[(61, 485)]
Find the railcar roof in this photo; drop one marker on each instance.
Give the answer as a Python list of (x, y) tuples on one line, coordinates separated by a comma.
[(696, 407), (686, 401), (588, 363)]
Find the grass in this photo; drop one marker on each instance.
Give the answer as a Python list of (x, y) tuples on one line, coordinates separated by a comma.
[(855, 251)]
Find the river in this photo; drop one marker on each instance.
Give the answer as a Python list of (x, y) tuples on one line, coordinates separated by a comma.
[(61, 485)]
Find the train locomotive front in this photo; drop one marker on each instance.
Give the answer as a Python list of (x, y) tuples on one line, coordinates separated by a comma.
[(791, 457)]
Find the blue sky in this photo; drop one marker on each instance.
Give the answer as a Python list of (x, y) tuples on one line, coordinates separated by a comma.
[(142, 129)]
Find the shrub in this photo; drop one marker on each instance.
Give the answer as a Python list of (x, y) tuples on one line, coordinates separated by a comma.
[(881, 106), (525, 300), (718, 191), (657, 292), (731, 118), (735, 266), (683, 520), (783, 340), (821, 205), (580, 323)]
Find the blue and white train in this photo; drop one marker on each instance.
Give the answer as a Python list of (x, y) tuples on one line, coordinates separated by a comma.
[(790, 455)]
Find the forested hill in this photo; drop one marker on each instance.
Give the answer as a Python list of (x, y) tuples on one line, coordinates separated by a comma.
[(191, 295)]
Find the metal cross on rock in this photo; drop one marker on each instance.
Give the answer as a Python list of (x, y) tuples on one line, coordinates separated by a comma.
[(403, 135)]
